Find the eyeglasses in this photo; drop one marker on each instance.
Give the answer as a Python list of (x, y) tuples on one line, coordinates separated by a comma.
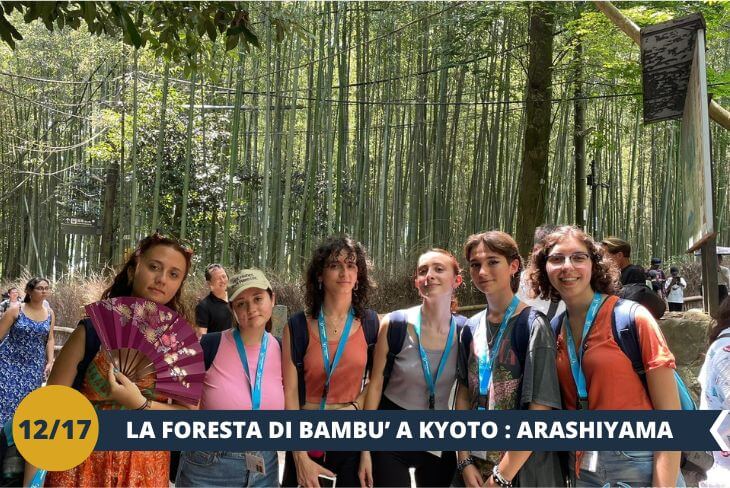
[(576, 259), (42, 288)]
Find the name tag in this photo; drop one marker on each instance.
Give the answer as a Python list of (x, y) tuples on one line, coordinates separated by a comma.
[(589, 461), (255, 463)]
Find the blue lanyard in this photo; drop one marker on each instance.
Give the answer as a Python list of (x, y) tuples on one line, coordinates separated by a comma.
[(254, 386), (329, 369), (576, 363), (430, 380), (486, 360)]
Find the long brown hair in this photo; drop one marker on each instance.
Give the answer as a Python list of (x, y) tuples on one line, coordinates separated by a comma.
[(722, 320), (604, 274), (122, 284)]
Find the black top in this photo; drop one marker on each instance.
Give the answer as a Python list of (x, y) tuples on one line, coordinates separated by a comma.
[(633, 274), (213, 314)]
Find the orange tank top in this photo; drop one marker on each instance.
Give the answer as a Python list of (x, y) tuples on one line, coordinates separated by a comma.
[(346, 381)]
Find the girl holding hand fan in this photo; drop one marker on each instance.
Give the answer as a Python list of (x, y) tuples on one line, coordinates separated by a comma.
[(154, 274), (249, 356)]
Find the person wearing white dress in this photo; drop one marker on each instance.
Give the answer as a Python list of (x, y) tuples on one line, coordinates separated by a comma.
[(715, 381)]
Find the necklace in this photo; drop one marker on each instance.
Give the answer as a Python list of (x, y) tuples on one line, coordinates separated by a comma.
[(336, 324)]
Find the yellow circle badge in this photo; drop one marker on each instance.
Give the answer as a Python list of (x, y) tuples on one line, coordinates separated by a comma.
[(55, 428)]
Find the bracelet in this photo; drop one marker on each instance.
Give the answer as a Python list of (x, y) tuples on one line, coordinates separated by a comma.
[(499, 479), (354, 404), (145, 405), (461, 465)]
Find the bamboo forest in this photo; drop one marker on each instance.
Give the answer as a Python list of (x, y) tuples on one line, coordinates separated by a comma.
[(254, 130)]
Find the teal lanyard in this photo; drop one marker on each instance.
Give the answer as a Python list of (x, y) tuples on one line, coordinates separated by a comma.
[(329, 369), (576, 361), (486, 359), (254, 386), (430, 380)]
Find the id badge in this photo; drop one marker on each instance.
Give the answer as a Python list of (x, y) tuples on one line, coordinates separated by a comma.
[(479, 455), (582, 404), (436, 453), (589, 461), (255, 464)]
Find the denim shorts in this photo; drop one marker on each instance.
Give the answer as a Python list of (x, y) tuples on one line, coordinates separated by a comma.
[(219, 468), (624, 469)]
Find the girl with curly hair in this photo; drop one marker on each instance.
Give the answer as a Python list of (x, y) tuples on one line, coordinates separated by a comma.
[(420, 375), (326, 353), (594, 372)]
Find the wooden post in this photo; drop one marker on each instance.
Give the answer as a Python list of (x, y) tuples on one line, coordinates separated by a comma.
[(710, 295)]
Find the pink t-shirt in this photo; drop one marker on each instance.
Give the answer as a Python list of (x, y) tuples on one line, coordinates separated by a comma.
[(226, 386)]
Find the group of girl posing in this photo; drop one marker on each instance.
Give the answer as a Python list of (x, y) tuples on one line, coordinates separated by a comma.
[(337, 354)]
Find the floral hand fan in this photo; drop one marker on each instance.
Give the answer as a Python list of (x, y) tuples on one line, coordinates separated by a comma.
[(140, 337)]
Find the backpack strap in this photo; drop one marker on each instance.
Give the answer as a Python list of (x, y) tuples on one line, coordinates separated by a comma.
[(552, 310), (92, 344), (370, 327), (210, 343), (556, 323), (397, 330), (623, 326), (465, 340), (521, 333), (299, 334)]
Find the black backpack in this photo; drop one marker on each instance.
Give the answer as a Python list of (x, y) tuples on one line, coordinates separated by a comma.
[(642, 294), (299, 334), (397, 330)]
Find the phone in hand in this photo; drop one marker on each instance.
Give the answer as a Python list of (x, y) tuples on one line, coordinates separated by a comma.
[(327, 481)]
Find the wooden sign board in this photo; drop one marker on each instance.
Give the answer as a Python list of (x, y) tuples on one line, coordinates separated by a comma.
[(667, 51)]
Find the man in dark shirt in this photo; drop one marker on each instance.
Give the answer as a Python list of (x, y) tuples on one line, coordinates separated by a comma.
[(657, 276), (620, 252), (212, 314)]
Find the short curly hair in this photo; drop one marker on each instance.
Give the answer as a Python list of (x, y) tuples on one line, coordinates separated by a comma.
[(604, 273), (328, 250)]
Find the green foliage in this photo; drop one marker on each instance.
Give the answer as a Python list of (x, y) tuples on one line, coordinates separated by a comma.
[(174, 30)]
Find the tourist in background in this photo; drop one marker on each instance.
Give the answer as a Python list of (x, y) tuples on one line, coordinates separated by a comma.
[(674, 290), (212, 314), (26, 347)]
